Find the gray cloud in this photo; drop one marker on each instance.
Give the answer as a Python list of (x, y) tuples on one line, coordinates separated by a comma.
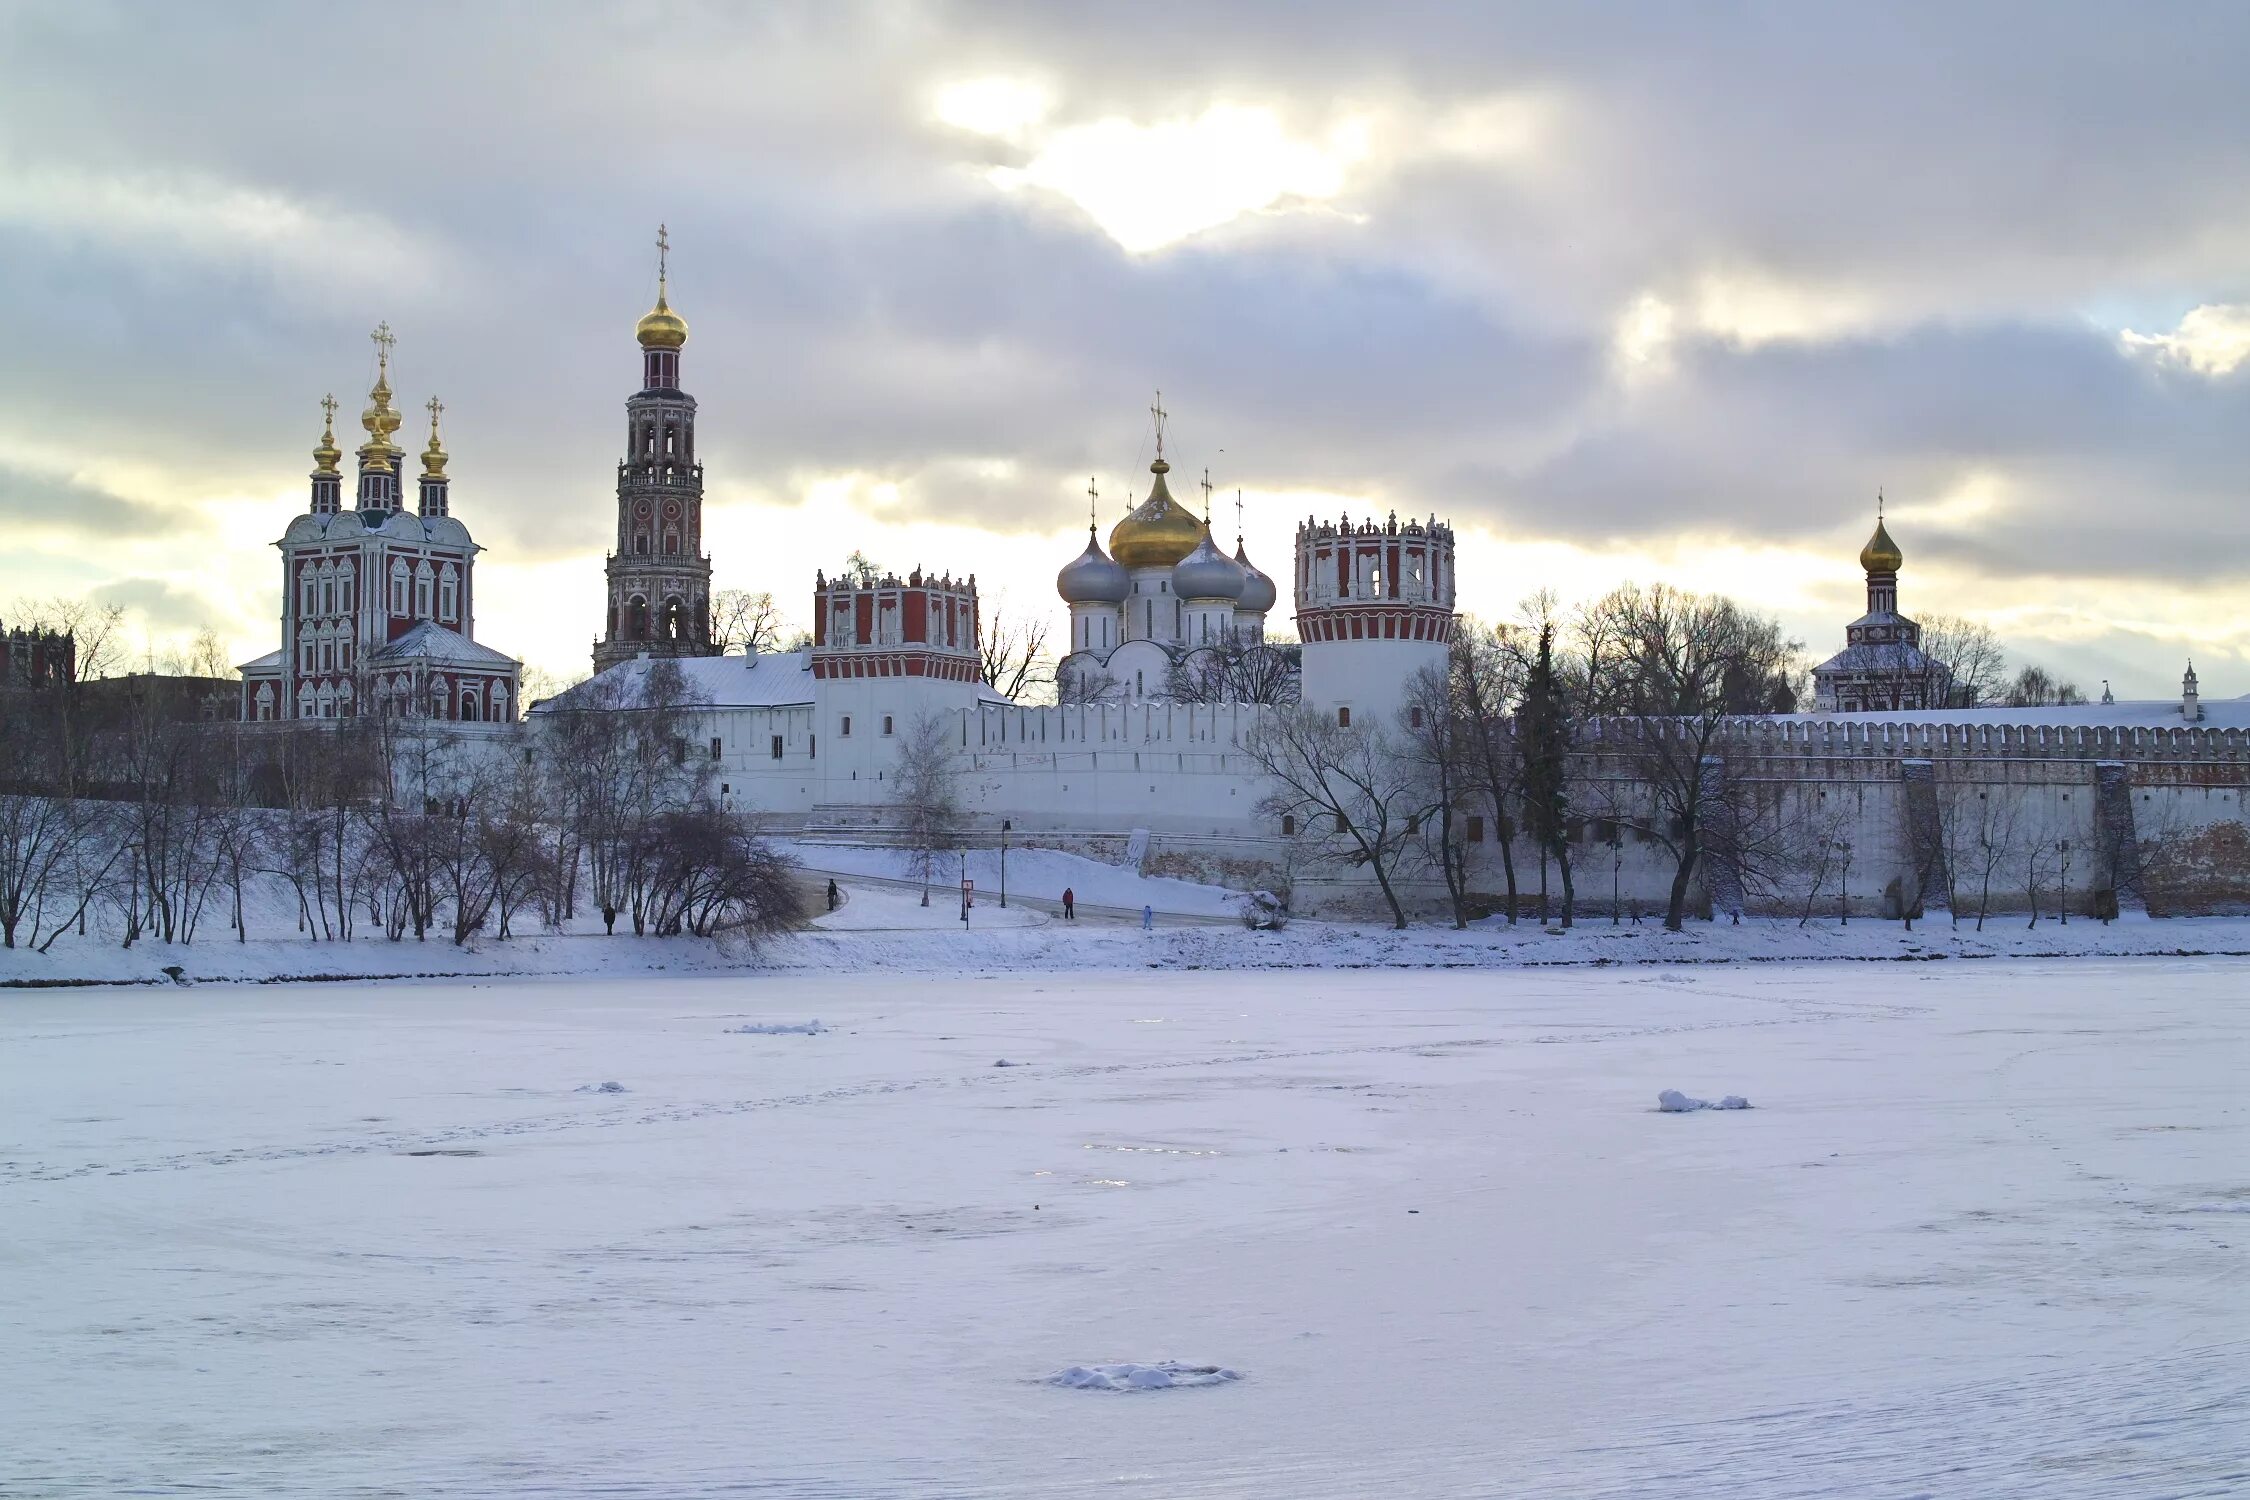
[(1987, 190)]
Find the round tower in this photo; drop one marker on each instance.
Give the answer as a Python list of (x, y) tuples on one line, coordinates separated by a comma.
[(1374, 606)]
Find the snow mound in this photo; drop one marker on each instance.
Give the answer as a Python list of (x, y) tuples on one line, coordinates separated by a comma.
[(1673, 1102), (778, 1028), (611, 1087), (1166, 1376)]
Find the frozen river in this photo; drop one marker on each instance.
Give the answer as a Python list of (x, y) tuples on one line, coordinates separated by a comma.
[(1986, 1232)]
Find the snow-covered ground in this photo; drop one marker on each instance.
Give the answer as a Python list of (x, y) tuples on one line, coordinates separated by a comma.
[(1981, 1234), (1041, 874)]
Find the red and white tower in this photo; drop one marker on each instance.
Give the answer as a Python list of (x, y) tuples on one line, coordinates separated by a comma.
[(886, 650), (659, 578), (1374, 606)]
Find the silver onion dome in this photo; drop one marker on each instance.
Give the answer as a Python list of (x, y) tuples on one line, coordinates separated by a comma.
[(1093, 577), (1258, 591), (1207, 573)]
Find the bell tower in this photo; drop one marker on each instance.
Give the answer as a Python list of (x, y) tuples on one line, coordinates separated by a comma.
[(659, 595)]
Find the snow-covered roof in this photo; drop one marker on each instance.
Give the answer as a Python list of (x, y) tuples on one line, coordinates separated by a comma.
[(2158, 713), (432, 642), (1880, 657), (268, 665), (759, 679)]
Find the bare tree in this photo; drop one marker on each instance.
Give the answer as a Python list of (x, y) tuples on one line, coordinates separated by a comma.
[(1236, 669), (2036, 687), (1980, 833), (1012, 652), (1487, 679), (1819, 848), (1669, 669), (97, 631), (1348, 792), (742, 620), (56, 849), (1965, 665), (1088, 684), (926, 794), (1436, 736)]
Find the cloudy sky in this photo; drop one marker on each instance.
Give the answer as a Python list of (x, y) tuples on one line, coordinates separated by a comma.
[(1625, 291)]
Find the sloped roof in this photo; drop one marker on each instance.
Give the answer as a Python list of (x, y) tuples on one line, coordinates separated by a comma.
[(762, 679), (432, 642)]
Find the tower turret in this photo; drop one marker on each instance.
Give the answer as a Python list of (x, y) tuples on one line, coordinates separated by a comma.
[(1374, 606), (659, 578), (327, 482), (379, 456), (434, 485)]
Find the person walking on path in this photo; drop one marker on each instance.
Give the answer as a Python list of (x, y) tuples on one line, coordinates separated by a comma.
[(1070, 905), (1148, 918), (834, 896)]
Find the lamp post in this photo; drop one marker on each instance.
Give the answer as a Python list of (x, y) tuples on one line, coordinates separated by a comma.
[(1616, 871), (964, 887), (1005, 826)]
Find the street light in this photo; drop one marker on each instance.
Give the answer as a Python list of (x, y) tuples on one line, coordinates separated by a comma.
[(1005, 826)]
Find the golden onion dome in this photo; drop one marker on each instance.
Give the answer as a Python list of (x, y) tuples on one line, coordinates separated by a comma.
[(661, 328), (433, 457), (326, 455), (1159, 532), (1881, 554)]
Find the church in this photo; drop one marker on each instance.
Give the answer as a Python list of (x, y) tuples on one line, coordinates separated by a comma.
[(378, 602)]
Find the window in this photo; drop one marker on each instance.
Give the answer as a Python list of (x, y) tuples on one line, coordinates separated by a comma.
[(640, 544), (886, 723), (1476, 828), (1343, 718), (777, 747), (398, 589), (1414, 718), (679, 751), (812, 746), (310, 603), (714, 747), (846, 730), (422, 592), (1288, 824), (449, 594)]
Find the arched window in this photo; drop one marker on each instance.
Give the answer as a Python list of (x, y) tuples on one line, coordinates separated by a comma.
[(671, 544), (399, 604), (344, 577), (449, 593), (640, 544), (304, 700), (327, 588), (500, 703), (1343, 718), (471, 705), (308, 602), (305, 650), (265, 700), (422, 591)]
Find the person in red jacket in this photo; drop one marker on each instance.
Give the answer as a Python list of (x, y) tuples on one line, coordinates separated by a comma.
[(1070, 905)]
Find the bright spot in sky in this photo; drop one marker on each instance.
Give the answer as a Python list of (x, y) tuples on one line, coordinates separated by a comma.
[(2211, 340), (1644, 333), (1148, 186), (1003, 107)]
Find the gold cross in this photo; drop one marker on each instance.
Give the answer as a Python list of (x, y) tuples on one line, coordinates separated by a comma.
[(384, 339), (328, 409), (1206, 497), (1092, 495), (435, 406), (663, 251), (1159, 413)]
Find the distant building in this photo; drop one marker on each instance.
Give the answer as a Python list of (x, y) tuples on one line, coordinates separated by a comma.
[(378, 604), (37, 659), (1882, 668)]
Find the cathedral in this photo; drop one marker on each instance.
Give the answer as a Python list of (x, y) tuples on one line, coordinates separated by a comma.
[(378, 603), (1162, 605), (659, 580)]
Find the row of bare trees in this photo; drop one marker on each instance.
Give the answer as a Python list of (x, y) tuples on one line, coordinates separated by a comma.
[(150, 828)]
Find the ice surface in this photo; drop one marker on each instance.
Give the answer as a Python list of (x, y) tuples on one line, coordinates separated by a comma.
[(1947, 1255), (1673, 1102), (778, 1028), (1166, 1375), (612, 1087)]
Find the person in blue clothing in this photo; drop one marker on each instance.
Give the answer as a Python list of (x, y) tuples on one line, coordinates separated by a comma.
[(1148, 918)]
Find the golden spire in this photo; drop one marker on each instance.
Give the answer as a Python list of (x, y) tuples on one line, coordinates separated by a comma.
[(380, 419), (325, 456), (1881, 554), (662, 328), (433, 457)]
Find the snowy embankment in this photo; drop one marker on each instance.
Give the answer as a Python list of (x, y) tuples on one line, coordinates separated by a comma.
[(900, 936)]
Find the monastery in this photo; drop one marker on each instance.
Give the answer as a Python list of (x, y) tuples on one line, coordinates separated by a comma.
[(1146, 751)]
